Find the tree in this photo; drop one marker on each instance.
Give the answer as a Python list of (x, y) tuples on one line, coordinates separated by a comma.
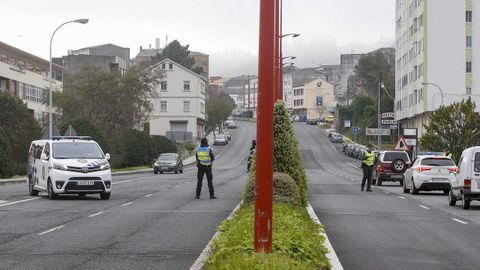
[(218, 109), (454, 127), (286, 155), (19, 127), (7, 164), (85, 127), (178, 53)]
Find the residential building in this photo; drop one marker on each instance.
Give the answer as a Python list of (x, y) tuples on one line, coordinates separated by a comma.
[(436, 55), (251, 95), (25, 76), (315, 99), (348, 62), (297, 77), (179, 111)]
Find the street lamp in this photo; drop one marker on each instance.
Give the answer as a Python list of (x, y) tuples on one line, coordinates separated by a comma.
[(291, 34), (438, 87), (289, 57), (50, 108), (279, 87)]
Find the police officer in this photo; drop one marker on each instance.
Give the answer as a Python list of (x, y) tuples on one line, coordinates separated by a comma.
[(205, 159), (447, 153), (367, 165)]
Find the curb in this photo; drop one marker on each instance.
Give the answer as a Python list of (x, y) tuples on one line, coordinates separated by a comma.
[(202, 259), (331, 255)]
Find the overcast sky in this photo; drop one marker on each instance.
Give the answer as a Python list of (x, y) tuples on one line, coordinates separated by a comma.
[(227, 30)]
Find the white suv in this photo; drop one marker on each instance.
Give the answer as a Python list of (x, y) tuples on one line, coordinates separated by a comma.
[(466, 183), (68, 165)]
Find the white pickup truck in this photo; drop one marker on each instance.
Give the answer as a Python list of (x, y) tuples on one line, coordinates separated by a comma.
[(465, 186)]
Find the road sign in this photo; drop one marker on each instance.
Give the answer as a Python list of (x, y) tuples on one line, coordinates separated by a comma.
[(410, 132), (347, 123), (388, 115), (389, 122), (411, 142), (401, 144), (377, 131), (354, 130), (393, 126)]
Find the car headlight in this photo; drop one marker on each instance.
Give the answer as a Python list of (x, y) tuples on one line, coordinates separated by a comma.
[(173, 163), (58, 166), (105, 167), (156, 164)]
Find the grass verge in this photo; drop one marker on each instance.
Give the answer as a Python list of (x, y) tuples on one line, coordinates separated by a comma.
[(130, 168), (297, 243)]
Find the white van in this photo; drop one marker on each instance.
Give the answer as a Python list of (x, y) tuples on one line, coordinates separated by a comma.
[(465, 186), (68, 165)]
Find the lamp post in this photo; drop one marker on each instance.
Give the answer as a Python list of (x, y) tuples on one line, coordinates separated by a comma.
[(438, 87), (50, 75), (279, 90)]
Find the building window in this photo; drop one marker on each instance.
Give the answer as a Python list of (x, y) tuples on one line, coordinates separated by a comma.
[(469, 67), (469, 41), (163, 106), (170, 66), (33, 93), (186, 86), (469, 90), (163, 86), (163, 66), (186, 106), (468, 17)]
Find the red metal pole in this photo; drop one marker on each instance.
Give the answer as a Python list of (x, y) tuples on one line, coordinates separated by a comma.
[(280, 57), (264, 155), (277, 86)]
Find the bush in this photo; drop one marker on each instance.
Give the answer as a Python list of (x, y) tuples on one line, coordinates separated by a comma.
[(7, 165), (85, 127), (138, 147), (162, 145), (286, 156), (189, 146), (297, 243), (284, 189)]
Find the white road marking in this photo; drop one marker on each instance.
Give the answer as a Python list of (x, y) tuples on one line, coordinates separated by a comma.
[(401, 197), (26, 200), (96, 214), (177, 185), (3, 201), (386, 192), (146, 196), (51, 230), (125, 204), (353, 179), (423, 206), (459, 221)]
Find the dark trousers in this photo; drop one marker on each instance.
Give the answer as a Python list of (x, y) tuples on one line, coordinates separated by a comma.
[(367, 176), (202, 170)]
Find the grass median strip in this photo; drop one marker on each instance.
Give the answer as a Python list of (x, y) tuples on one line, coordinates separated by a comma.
[(297, 243)]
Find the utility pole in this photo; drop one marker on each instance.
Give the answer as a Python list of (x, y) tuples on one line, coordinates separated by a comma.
[(379, 137)]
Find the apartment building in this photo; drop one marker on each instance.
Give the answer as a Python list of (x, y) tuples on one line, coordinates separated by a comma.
[(314, 98), (437, 56), (25, 76), (179, 111)]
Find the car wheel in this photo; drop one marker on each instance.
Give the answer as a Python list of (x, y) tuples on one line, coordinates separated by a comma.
[(405, 189), (31, 190), (466, 203), (451, 199), (401, 182), (181, 170), (51, 193), (161, 172), (399, 165), (445, 191), (414, 190), (155, 171), (104, 195), (176, 171)]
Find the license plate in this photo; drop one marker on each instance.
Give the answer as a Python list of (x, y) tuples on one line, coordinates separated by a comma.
[(85, 183), (164, 168), (397, 176), (439, 180)]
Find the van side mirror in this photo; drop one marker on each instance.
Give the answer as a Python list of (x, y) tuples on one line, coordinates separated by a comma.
[(107, 156), (43, 156)]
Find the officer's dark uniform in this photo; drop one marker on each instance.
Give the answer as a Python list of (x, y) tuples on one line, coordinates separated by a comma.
[(367, 165), (205, 159)]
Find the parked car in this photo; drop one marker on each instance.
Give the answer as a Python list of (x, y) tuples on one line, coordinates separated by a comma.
[(336, 138), (311, 121), (330, 132), (231, 124), (220, 139), (390, 166), (349, 149), (330, 119), (358, 151), (429, 173), (228, 134), (465, 186), (168, 162)]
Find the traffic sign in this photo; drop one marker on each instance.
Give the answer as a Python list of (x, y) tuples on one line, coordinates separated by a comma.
[(388, 115), (393, 126), (411, 142), (354, 130), (389, 122), (401, 144), (377, 131), (347, 123)]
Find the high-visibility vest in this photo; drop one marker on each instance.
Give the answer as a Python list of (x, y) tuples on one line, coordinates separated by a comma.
[(203, 154), (449, 155), (370, 158)]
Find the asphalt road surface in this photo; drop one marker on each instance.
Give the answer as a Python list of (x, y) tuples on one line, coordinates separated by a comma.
[(384, 229), (150, 222)]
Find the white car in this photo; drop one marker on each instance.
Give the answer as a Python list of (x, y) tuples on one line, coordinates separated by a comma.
[(429, 173), (220, 139), (68, 165), (465, 186)]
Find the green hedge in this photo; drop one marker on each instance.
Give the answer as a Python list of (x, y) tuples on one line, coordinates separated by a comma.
[(297, 243), (284, 189), (85, 127)]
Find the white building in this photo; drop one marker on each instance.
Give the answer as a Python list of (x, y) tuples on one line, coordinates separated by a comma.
[(288, 90), (436, 45), (251, 95), (179, 112)]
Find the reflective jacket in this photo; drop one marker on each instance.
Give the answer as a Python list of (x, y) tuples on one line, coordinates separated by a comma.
[(368, 158), (204, 155)]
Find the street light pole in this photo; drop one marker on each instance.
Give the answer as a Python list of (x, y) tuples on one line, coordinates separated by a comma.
[(438, 87), (379, 138), (50, 76), (280, 78)]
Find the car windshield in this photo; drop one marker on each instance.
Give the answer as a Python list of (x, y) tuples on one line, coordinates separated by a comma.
[(76, 150), (220, 136), (391, 156), (438, 162), (168, 157)]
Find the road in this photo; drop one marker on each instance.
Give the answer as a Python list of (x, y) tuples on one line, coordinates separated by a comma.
[(150, 222), (384, 229)]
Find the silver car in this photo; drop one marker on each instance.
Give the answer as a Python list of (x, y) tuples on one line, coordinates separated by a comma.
[(220, 139)]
